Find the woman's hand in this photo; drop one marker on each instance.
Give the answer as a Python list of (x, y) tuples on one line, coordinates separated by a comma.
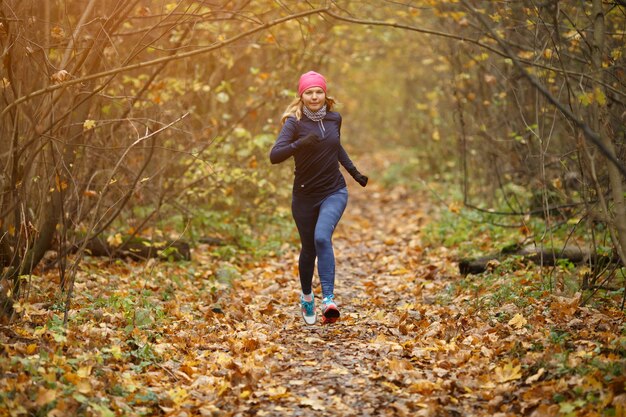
[(361, 179), (358, 177)]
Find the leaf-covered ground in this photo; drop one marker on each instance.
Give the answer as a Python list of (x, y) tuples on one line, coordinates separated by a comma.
[(217, 338)]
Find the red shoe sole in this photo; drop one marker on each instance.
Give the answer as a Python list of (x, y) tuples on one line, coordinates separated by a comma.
[(331, 315)]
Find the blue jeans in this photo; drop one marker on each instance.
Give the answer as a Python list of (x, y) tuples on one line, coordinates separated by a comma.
[(316, 221)]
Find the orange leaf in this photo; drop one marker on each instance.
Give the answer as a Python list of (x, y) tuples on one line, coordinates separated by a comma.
[(423, 387), (45, 396)]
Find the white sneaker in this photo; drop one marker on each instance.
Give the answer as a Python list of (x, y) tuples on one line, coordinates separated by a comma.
[(308, 309)]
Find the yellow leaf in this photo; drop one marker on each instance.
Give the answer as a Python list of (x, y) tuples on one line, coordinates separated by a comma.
[(178, 395), (508, 372), (116, 351), (616, 54), (84, 387), (454, 207), (585, 98), (313, 403), (379, 315), (50, 377), (88, 125), (277, 393), (84, 371), (223, 359), (390, 386), (115, 240), (518, 321), (599, 96)]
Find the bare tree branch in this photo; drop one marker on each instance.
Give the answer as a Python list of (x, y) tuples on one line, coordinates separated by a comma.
[(204, 50), (472, 41), (589, 133)]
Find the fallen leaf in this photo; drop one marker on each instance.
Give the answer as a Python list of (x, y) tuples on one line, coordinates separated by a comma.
[(115, 240), (508, 372), (45, 396), (84, 371), (423, 386), (178, 395), (276, 393), (564, 308), (535, 378), (313, 403), (84, 387), (518, 321)]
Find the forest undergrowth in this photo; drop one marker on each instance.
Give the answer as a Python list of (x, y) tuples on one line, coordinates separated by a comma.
[(223, 336)]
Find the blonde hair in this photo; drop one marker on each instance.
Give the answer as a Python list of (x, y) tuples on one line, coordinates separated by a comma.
[(295, 108)]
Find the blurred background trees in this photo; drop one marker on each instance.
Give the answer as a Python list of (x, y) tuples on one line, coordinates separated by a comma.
[(154, 118)]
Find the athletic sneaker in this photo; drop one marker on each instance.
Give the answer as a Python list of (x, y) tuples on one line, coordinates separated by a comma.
[(308, 310), (330, 312)]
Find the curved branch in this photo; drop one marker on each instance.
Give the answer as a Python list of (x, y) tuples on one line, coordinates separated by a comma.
[(207, 49), (414, 29), (589, 133), (472, 41)]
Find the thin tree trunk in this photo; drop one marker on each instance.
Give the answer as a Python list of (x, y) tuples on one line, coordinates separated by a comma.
[(599, 125)]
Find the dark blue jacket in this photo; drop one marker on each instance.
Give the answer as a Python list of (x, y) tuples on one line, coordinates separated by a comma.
[(317, 172)]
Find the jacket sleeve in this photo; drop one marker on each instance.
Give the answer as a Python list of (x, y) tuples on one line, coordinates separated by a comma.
[(345, 160), (285, 146)]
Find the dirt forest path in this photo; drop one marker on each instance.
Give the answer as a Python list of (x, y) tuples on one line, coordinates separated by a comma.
[(415, 338), (375, 360)]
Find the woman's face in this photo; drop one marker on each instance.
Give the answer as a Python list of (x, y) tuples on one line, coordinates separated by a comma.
[(314, 98)]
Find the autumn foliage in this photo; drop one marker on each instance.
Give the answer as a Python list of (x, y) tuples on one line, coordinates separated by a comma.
[(482, 126), (213, 337)]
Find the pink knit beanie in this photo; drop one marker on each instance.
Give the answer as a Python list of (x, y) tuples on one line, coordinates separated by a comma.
[(311, 79)]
